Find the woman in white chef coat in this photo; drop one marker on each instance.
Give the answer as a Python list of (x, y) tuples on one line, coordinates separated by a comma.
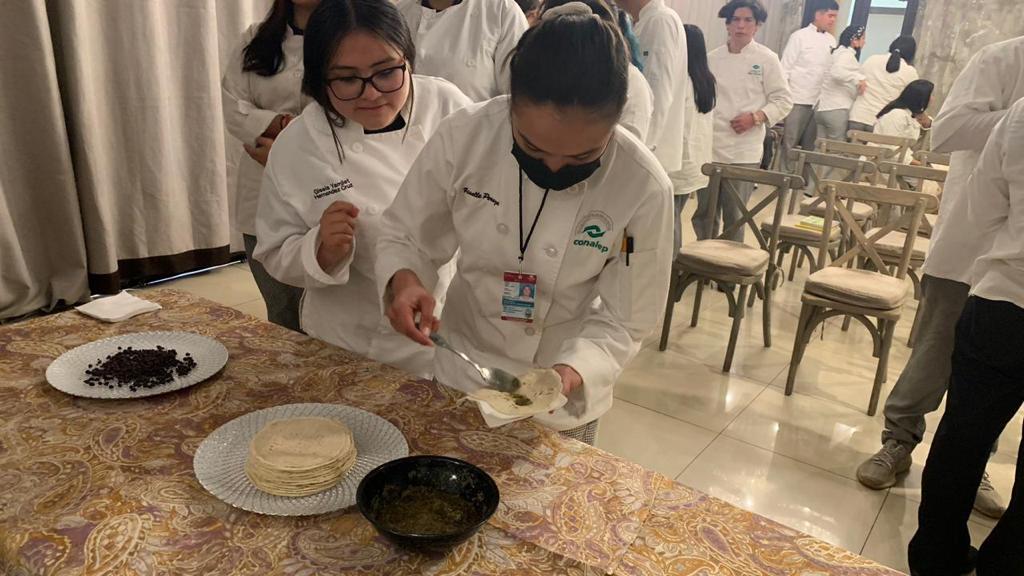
[(338, 166), (636, 116), (907, 115), (886, 75), (465, 41), (262, 92), (540, 189), (843, 82)]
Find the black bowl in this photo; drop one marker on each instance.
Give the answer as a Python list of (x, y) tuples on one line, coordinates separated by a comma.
[(386, 484)]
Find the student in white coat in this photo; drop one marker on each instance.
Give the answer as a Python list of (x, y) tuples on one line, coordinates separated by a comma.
[(339, 165), (636, 116), (751, 95), (466, 42), (538, 189), (886, 76), (979, 98), (663, 43), (700, 127), (262, 92), (907, 115), (843, 81)]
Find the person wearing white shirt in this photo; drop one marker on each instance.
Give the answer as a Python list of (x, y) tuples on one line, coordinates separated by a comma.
[(261, 93), (751, 93), (338, 166), (906, 116), (885, 77), (466, 42), (992, 81), (700, 126), (663, 43), (529, 190), (843, 81), (987, 385), (636, 116), (805, 61)]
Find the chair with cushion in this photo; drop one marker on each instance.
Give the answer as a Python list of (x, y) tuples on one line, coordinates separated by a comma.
[(863, 294), (728, 262), (898, 144)]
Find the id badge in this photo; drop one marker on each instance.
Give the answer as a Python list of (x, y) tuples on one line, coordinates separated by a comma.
[(519, 299)]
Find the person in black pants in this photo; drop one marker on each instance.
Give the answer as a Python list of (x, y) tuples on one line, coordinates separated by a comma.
[(987, 384)]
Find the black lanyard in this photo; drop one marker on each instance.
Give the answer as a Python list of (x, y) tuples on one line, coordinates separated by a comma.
[(524, 244)]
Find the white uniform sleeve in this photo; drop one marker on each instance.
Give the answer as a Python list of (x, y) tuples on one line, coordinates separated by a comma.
[(636, 117), (512, 24), (287, 246), (662, 68), (973, 107), (790, 55), (846, 69), (780, 99), (244, 119), (998, 179), (418, 232), (632, 298)]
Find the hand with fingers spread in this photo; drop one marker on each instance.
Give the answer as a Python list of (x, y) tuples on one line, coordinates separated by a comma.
[(408, 297), (337, 234)]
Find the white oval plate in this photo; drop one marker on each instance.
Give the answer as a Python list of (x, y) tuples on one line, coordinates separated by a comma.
[(67, 372), (220, 460)]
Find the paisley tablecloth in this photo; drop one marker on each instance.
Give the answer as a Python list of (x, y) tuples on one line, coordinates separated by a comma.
[(106, 487)]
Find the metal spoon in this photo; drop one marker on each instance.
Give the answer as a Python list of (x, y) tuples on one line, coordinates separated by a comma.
[(495, 378)]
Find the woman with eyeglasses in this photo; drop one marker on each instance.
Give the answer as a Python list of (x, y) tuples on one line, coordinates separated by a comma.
[(542, 193), (338, 166)]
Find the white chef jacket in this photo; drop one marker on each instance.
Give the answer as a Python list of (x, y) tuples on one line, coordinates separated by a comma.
[(883, 87), (697, 146), (636, 116), (250, 103), (747, 82), (996, 209), (899, 122), (304, 177), (805, 60), (468, 44), (663, 42), (990, 83), (839, 88), (593, 311)]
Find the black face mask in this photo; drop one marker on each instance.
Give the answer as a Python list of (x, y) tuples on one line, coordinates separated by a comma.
[(538, 172)]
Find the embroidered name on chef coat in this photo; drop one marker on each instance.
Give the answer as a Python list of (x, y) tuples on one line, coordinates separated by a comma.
[(592, 231), (329, 189), (481, 195)]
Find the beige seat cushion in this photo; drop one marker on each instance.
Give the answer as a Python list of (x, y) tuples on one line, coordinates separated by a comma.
[(891, 245), (723, 258), (861, 210), (862, 288), (790, 229)]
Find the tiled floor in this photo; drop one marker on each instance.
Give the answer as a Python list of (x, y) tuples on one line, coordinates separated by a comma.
[(737, 436)]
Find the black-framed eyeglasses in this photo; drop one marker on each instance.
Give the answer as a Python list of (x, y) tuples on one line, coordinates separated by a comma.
[(384, 81)]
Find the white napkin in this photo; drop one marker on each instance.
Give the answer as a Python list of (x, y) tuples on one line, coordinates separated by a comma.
[(495, 419), (117, 308)]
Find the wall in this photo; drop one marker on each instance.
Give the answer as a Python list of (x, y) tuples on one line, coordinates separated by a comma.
[(783, 20), (950, 32)]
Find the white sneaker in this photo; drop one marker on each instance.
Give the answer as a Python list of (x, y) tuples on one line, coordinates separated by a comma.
[(988, 502)]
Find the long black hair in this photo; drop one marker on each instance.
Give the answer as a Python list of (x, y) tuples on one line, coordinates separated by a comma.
[(328, 26), (902, 48), (850, 34), (704, 85), (264, 54), (915, 97), (569, 60)]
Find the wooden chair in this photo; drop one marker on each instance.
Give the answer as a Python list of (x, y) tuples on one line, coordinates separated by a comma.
[(933, 159), (798, 240), (900, 146), (862, 294), (730, 262), (874, 154)]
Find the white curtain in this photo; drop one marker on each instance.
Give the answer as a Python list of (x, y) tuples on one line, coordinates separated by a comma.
[(115, 163)]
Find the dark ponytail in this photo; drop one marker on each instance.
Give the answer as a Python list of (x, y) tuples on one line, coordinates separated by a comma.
[(902, 48), (850, 34), (264, 54), (572, 60), (704, 89), (915, 97), (606, 12)]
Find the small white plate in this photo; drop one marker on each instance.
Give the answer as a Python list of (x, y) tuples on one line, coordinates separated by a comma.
[(220, 460), (67, 372)]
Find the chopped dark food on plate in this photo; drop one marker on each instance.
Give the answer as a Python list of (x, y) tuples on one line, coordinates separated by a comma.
[(143, 368), (520, 400)]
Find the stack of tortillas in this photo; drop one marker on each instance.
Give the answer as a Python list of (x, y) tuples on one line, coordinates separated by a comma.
[(300, 456)]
